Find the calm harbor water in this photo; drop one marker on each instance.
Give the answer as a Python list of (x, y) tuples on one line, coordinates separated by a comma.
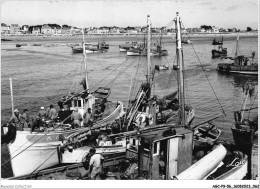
[(41, 75)]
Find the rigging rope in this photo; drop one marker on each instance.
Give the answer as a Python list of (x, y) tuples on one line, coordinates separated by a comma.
[(206, 74), (123, 69), (97, 84)]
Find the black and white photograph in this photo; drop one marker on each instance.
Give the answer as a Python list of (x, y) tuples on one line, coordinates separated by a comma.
[(129, 94)]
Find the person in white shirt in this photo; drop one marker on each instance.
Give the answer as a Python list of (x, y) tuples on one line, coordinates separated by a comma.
[(95, 164)]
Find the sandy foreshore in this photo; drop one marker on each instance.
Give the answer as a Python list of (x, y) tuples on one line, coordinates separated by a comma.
[(35, 38)]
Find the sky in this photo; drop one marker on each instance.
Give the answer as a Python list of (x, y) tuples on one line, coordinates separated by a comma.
[(194, 13)]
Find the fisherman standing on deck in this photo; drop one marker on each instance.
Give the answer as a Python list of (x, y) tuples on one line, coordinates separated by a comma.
[(52, 113), (16, 120), (25, 119), (88, 121), (95, 164), (76, 117)]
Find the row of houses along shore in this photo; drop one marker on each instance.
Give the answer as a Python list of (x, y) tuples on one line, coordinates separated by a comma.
[(55, 29)]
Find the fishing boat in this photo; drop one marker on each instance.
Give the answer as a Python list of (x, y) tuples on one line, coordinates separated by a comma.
[(221, 52), (104, 45), (161, 151), (32, 150), (186, 41), (128, 44), (161, 67), (140, 114), (207, 132), (241, 65), (244, 129), (141, 50), (19, 45), (89, 48), (215, 42)]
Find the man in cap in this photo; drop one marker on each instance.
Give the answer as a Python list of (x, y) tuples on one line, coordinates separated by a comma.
[(95, 164), (16, 120), (42, 113), (76, 117)]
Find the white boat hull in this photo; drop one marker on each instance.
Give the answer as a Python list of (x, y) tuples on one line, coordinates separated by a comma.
[(77, 155), (38, 150), (130, 53), (122, 50), (245, 72), (204, 166), (29, 159)]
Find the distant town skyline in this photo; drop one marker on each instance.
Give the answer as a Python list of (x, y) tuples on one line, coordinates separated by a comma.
[(194, 13)]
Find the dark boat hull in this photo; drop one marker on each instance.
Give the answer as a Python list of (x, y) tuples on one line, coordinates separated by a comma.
[(216, 53), (243, 139), (231, 68)]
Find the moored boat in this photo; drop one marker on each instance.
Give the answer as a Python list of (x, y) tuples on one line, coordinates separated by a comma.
[(221, 52), (89, 48), (215, 42), (128, 44), (241, 65)]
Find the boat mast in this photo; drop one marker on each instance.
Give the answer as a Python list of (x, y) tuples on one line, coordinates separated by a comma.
[(148, 49), (12, 97), (237, 46), (180, 62), (85, 63)]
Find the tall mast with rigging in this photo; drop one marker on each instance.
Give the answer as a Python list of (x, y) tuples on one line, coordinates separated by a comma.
[(180, 62), (237, 46), (85, 63), (148, 49)]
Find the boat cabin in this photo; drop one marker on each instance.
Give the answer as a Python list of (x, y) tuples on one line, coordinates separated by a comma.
[(162, 154), (242, 61), (82, 104)]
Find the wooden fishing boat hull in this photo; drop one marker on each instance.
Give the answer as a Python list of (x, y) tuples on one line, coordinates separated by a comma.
[(205, 134), (204, 166), (19, 45), (77, 155), (231, 68), (217, 43), (29, 145), (135, 53), (77, 49), (90, 50), (157, 67), (243, 138), (28, 159), (219, 53), (235, 168), (63, 172)]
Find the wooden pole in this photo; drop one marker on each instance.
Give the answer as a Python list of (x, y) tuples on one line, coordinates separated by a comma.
[(12, 98)]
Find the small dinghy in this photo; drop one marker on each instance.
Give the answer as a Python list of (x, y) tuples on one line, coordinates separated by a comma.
[(161, 67)]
